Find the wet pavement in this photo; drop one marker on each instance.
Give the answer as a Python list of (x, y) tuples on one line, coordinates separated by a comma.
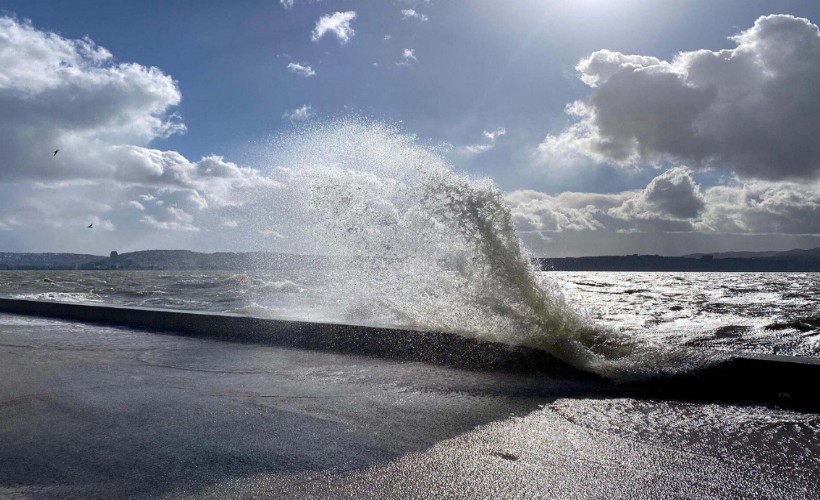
[(95, 411)]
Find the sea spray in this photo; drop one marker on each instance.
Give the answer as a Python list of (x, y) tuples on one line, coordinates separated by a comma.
[(416, 244)]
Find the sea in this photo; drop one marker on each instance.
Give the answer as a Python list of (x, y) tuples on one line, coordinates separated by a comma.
[(731, 450), (763, 313)]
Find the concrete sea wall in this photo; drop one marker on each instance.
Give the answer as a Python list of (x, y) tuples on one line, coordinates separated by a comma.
[(391, 343), (783, 381)]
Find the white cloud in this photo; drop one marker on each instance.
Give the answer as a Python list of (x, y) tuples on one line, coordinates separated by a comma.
[(179, 214), (303, 70), (69, 94), (387, 37), (495, 134), (763, 208), (412, 14), (746, 108), (408, 57), (672, 202), (538, 212), (167, 225), (135, 205), (171, 219), (337, 24), (288, 4), (477, 149), (300, 114), (270, 233), (101, 114)]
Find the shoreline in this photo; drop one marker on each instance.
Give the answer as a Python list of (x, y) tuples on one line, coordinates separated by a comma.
[(782, 381)]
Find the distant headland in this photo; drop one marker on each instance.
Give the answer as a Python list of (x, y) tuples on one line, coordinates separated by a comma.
[(797, 260), (154, 260)]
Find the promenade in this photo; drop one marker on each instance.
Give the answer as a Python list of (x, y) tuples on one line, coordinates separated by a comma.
[(101, 411)]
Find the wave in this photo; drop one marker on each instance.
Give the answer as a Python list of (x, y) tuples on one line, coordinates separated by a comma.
[(78, 297), (431, 248)]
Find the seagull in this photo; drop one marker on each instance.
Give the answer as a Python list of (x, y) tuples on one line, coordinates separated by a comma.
[(91, 226), (55, 153)]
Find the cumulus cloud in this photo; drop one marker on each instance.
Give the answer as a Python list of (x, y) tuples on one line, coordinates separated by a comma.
[(495, 134), (66, 94), (135, 205), (171, 222), (754, 108), (412, 14), (763, 208), (672, 203), (535, 211), (72, 95), (300, 114), (672, 194), (288, 4), (337, 24), (408, 57), (303, 70), (490, 136)]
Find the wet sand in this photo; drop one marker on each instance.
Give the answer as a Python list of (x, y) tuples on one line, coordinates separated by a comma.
[(101, 411)]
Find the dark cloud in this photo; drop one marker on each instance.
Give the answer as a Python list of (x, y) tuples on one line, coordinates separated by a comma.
[(673, 194), (673, 202), (763, 208), (754, 108)]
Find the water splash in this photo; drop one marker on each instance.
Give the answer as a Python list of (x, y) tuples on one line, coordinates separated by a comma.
[(422, 246)]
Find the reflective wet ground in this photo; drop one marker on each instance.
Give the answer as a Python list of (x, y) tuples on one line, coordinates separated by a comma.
[(91, 411)]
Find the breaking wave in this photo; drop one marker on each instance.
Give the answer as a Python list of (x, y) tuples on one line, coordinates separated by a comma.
[(420, 245)]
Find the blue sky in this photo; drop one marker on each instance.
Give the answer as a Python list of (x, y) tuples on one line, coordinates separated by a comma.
[(482, 64), (477, 68)]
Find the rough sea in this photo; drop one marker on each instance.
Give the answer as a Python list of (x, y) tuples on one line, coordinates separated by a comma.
[(766, 313)]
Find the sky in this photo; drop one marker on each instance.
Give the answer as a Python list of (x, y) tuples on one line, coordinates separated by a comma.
[(611, 127)]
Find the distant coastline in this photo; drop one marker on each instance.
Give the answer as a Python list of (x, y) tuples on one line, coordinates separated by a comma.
[(797, 260), (155, 260), (650, 263), (185, 260)]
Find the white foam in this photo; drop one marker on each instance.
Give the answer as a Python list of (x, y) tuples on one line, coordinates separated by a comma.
[(61, 296), (426, 247)]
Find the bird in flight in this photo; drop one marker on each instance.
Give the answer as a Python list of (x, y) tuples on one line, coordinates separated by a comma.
[(91, 226), (55, 153)]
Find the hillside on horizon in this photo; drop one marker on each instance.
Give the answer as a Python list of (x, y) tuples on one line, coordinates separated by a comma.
[(187, 260)]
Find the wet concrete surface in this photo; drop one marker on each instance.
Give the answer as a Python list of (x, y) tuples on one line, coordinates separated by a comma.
[(92, 411)]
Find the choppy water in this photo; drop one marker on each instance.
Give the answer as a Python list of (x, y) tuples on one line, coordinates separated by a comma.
[(767, 313)]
